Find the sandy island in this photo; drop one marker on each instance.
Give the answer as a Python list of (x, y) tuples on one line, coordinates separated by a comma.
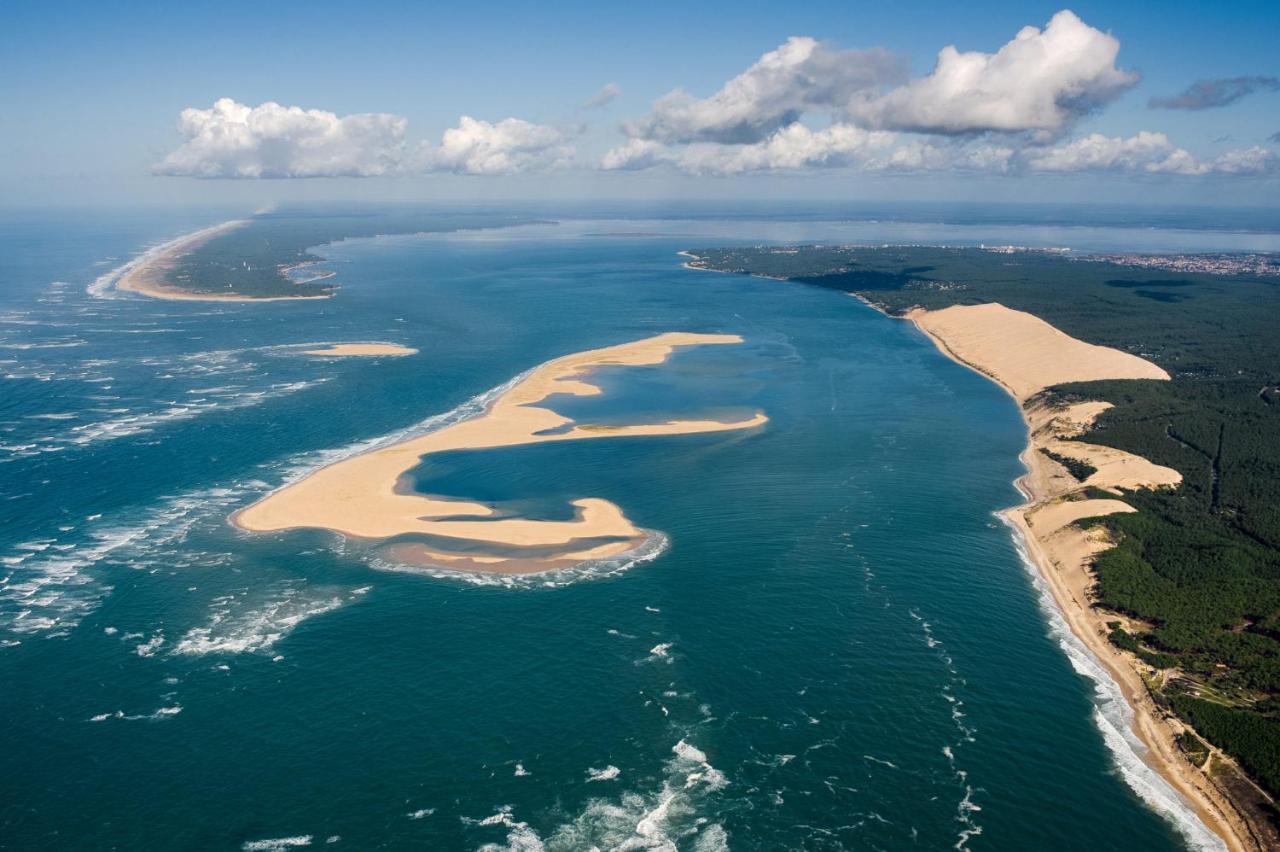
[(146, 274), (359, 350), (364, 497), (1026, 355)]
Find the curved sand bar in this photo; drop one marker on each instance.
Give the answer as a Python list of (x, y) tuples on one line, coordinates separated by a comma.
[(360, 497), (359, 350)]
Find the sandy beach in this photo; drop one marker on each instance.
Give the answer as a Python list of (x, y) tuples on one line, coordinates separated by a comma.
[(1025, 355), (145, 275), (364, 498), (359, 350)]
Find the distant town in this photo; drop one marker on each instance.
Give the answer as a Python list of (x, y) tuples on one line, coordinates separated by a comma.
[(1211, 264)]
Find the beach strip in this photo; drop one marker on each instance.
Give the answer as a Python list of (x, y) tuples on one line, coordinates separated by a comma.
[(1026, 355)]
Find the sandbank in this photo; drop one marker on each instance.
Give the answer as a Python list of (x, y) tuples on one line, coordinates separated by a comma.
[(363, 497), (360, 350)]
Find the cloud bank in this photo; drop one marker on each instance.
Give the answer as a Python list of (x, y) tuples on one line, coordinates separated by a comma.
[(1007, 112), (804, 106), (482, 148), (233, 140), (1148, 153), (1208, 94)]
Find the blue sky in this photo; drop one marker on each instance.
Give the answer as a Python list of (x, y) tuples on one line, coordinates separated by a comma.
[(92, 94)]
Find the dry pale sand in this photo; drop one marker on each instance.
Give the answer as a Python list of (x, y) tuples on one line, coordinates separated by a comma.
[(146, 274), (1025, 355), (359, 497), (1023, 352), (360, 350)]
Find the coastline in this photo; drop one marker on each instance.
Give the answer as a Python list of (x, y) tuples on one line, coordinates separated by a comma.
[(145, 274), (1065, 568), (1237, 818)]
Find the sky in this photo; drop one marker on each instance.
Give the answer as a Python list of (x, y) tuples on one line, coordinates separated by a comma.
[(113, 103)]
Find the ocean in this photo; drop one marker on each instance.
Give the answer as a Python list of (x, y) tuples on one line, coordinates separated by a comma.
[(832, 642)]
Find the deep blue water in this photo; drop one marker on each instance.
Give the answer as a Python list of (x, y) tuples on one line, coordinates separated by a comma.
[(839, 647)]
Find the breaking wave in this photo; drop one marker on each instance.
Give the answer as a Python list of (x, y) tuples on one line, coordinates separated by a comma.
[(50, 588), (261, 626), (655, 820), (1114, 718), (277, 844), (653, 545)]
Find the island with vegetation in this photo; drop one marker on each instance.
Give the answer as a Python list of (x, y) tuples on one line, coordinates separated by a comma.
[(1179, 564), (269, 256)]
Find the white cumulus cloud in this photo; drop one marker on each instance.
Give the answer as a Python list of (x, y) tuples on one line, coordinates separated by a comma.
[(1042, 80), (233, 140), (801, 75), (489, 148), (797, 147), (808, 105)]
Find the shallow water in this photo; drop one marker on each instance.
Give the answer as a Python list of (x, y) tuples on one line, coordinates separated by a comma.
[(831, 643)]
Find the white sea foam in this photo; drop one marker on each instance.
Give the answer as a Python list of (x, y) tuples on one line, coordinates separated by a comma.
[(155, 716), (660, 653), (609, 773), (277, 844), (135, 424), (55, 589), (150, 647), (234, 629), (712, 838), (657, 820), (420, 813), (1114, 718), (651, 547), (966, 809), (127, 424)]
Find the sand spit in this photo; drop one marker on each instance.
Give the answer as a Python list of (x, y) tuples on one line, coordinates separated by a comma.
[(364, 497), (1025, 355), (359, 350), (145, 275)]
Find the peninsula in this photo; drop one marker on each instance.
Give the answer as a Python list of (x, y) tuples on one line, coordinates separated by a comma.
[(267, 257)]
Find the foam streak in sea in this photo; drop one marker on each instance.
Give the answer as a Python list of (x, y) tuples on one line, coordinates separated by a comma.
[(50, 593)]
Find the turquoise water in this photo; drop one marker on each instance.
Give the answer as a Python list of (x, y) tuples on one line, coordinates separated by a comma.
[(836, 647)]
